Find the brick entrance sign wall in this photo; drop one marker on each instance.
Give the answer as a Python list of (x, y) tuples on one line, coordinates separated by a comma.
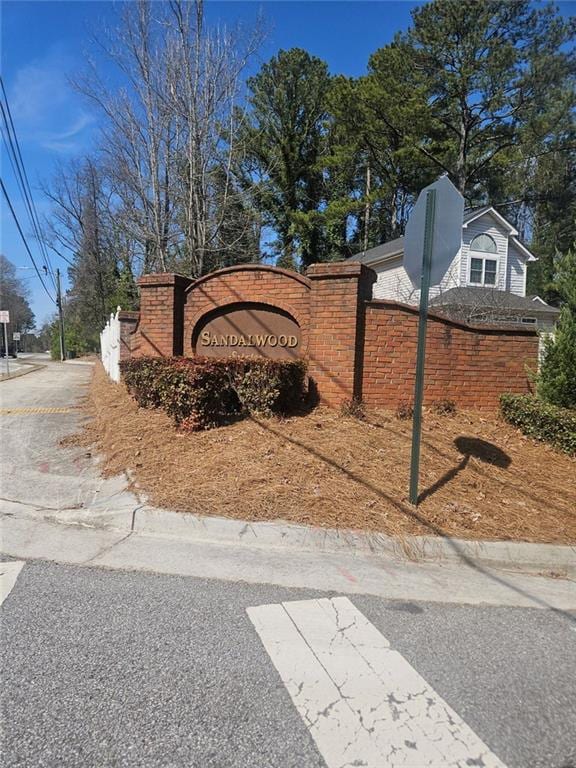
[(356, 348)]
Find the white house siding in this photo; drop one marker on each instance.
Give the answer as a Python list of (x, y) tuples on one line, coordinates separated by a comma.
[(394, 283), (485, 225), (515, 279)]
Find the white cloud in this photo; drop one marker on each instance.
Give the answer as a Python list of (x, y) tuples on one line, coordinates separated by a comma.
[(82, 121), (69, 140), (39, 88), (46, 110)]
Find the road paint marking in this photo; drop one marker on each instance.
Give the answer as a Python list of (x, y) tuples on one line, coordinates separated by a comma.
[(347, 575), (35, 411), (363, 703), (9, 572)]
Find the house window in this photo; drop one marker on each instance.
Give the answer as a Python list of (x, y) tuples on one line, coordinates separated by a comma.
[(483, 269), (483, 243)]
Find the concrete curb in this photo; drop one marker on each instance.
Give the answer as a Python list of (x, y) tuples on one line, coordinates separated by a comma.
[(31, 368), (124, 514), (504, 554)]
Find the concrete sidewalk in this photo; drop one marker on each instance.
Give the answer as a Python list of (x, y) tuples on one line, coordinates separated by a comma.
[(17, 368), (115, 508)]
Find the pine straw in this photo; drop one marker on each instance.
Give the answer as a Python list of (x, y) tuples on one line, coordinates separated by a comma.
[(328, 470)]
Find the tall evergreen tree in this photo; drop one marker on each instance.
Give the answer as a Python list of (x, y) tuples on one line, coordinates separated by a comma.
[(285, 140), (557, 380), (460, 86)]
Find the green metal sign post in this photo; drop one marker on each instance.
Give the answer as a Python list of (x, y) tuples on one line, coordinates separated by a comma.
[(421, 351)]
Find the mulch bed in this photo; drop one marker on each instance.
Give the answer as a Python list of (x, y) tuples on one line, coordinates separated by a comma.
[(480, 478)]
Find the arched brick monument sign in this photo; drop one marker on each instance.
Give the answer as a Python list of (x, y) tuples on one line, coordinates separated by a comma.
[(251, 329), (249, 310), (355, 347)]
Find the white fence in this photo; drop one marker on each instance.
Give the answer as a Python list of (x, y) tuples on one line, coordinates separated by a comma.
[(110, 347)]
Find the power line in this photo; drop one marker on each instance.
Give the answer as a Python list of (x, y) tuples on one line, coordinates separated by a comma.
[(24, 187), (22, 179), (13, 212), (35, 220)]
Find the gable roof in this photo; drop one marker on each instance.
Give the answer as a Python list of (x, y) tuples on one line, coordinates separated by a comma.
[(492, 298), (395, 247), (472, 214)]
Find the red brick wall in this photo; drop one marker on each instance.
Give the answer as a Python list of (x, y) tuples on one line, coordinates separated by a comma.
[(337, 307), (247, 283), (355, 347), (159, 331), (128, 324), (470, 365)]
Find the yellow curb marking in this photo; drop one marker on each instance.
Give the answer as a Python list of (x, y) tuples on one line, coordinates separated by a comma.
[(34, 411)]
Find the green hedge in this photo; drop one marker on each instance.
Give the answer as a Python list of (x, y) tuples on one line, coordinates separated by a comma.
[(199, 393), (541, 420)]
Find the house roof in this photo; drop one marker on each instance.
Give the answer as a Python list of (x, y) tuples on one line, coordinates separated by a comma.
[(471, 214), (380, 252), (396, 247), (493, 299)]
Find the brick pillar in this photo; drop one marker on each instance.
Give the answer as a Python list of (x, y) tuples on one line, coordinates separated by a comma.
[(128, 323), (161, 328), (337, 320)]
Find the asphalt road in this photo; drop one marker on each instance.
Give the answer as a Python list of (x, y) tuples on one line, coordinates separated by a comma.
[(104, 668), (111, 667)]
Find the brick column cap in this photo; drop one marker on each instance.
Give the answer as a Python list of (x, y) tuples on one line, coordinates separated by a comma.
[(128, 316), (161, 279), (337, 269)]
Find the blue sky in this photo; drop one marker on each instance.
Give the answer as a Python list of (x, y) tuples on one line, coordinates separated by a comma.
[(43, 43)]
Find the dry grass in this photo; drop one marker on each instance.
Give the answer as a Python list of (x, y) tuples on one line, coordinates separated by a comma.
[(480, 478)]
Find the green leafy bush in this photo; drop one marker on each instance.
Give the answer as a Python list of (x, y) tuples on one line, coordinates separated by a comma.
[(199, 393), (141, 377), (541, 420), (557, 379), (266, 386)]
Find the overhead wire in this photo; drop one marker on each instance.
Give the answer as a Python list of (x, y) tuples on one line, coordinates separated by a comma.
[(17, 162), (23, 176), (13, 212)]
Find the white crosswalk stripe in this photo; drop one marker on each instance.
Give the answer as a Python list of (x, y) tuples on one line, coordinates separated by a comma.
[(363, 703), (9, 572)]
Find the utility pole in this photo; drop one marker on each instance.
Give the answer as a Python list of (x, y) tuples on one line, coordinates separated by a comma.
[(60, 316)]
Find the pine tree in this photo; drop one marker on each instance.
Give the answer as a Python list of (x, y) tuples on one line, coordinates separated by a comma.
[(557, 380), (285, 140)]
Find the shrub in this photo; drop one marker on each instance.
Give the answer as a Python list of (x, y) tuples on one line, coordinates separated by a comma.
[(266, 386), (196, 393), (541, 420), (557, 378), (444, 407), (141, 378), (353, 409), (199, 393), (404, 411)]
